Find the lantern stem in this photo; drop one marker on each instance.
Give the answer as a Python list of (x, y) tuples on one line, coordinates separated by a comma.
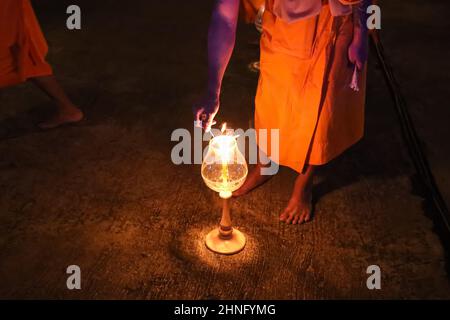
[(225, 239), (225, 227)]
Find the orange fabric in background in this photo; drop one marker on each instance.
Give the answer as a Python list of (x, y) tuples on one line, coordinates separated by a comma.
[(304, 91), (250, 9), (22, 45)]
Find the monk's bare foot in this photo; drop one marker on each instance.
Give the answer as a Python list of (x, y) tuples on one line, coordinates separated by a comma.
[(254, 180), (66, 115), (299, 208)]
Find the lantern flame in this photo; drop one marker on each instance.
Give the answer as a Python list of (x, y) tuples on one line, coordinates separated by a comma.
[(224, 127)]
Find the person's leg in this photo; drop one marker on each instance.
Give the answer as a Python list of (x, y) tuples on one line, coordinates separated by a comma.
[(254, 180), (299, 208), (67, 112)]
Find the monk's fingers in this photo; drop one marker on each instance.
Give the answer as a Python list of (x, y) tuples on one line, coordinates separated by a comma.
[(198, 114), (205, 120), (357, 61), (359, 65), (209, 124), (351, 57)]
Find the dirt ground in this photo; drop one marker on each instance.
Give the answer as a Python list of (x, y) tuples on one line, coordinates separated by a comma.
[(105, 195)]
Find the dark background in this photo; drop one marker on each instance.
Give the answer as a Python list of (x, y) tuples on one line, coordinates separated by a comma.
[(104, 194)]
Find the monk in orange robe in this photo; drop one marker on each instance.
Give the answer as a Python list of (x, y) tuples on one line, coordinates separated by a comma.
[(313, 59), (22, 58)]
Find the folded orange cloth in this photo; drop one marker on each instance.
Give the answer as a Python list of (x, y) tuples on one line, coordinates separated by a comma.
[(304, 88), (22, 45)]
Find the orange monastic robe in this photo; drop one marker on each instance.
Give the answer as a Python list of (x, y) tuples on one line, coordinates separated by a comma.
[(250, 9), (304, 90), (22, 45)]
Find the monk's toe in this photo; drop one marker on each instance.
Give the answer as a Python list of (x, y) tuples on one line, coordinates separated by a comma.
[(284, 215)]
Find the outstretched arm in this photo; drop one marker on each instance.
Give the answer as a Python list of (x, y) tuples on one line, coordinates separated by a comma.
[(358, 50), (221, 39)]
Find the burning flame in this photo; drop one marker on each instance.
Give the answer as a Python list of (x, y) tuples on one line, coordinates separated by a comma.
[(224, 127)]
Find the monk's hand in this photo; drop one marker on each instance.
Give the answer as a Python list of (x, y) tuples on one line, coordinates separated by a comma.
[(259, 19), (359, 50), (205, 111)]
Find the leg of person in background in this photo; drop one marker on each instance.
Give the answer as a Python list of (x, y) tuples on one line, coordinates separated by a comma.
[(23, 51), (253, 181), (66, 111)]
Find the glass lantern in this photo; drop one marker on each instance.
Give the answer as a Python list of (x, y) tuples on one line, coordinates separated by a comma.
[(224, 170)]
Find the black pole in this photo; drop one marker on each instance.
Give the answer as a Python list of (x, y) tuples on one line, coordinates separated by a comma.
[(411, 138)]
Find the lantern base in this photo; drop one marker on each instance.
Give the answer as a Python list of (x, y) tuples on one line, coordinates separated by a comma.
[(230, 246)]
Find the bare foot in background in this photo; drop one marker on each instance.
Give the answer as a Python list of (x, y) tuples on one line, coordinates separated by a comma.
[(64, 115), (67, 111)]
